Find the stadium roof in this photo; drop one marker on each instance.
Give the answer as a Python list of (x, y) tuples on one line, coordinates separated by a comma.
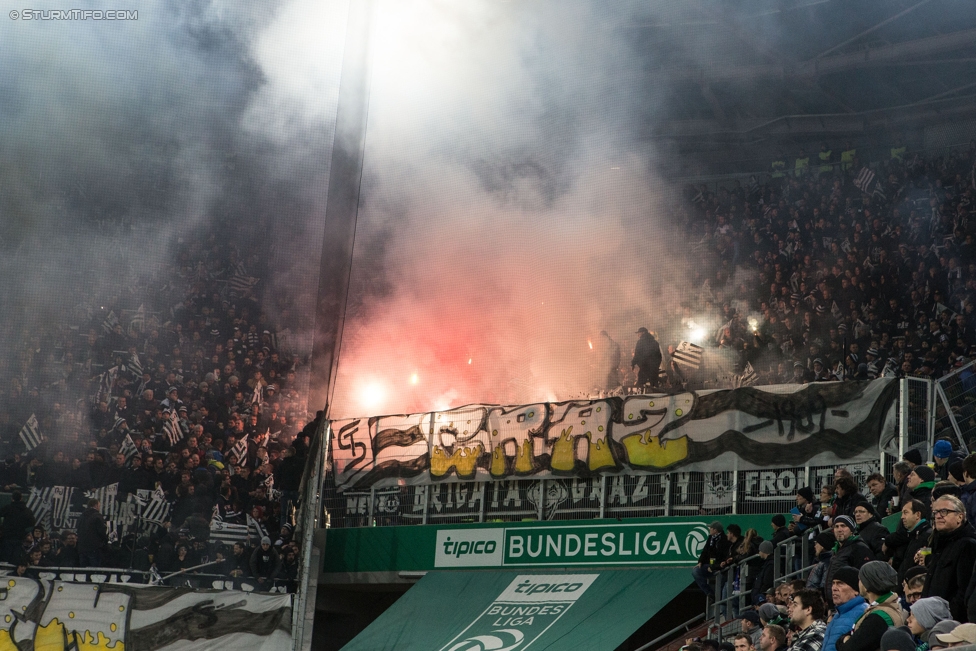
[(740, 72)]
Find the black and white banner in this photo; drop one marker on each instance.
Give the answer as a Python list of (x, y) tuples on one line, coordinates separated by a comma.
[(748, 428)]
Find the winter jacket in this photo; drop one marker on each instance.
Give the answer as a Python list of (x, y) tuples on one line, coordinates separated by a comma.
[(843, 622), (715, 551), (969, 499), (92, 535), (818, 575), (917, 539), (265, 564), (873, 534), (763, 581), (950, 567), (923, 493), (882, 502), (18, 520), (877, 619), (851, 553)]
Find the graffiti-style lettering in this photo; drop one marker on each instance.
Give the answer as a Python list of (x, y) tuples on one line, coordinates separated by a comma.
[(762, 427)]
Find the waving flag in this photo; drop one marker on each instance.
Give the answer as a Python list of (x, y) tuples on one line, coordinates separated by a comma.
[(30, 433)]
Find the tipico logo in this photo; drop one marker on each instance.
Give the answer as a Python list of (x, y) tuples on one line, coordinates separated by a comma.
[(695, 540), (506, 639)]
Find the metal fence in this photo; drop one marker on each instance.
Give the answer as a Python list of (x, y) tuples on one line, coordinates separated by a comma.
[(723, 491), (955, 416)]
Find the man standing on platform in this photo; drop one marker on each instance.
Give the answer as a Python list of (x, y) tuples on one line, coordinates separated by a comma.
[(647, 358)]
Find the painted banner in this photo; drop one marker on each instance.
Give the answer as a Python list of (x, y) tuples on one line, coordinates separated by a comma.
[(58, 615), (749, 428)]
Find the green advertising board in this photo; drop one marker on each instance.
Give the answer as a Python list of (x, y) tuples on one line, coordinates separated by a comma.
[(639, 542), (475, 611)]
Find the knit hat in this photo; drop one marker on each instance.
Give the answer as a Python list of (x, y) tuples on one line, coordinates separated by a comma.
[(897, 639), (955, 469), (265, 541), (847, 521), (930, 611), (942, 449), (766, 547), (848, 575), (960, 633), (768, 612), (806, 493), (912, 572), (779, 520), (946, 626), (878, 577), (913, 456), (826, 539), (924, 473)]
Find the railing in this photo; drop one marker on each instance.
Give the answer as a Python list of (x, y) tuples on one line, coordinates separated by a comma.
[(784, 554), (192, 579), (307, 521), (956, 413)]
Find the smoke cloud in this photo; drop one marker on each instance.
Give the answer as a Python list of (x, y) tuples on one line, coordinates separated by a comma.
[(509, 213), (128, 144)]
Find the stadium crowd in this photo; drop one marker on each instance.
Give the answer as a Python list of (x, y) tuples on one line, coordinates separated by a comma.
[(836, 270), (908, 586), (150, 388)]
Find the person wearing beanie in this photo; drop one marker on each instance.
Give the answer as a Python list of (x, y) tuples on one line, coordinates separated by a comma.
[(956, 475), (877, 581), (844, 591), (807, 512), (265, 563), (770, 613), (944, 456), (780, 532), (925, 614), (950, 565), (913, 457), (713, 554), (944, 627), (823, 545), (920, 482), (869, 527), (897, 639), (849, 550), (764, 577), (960, 635)]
